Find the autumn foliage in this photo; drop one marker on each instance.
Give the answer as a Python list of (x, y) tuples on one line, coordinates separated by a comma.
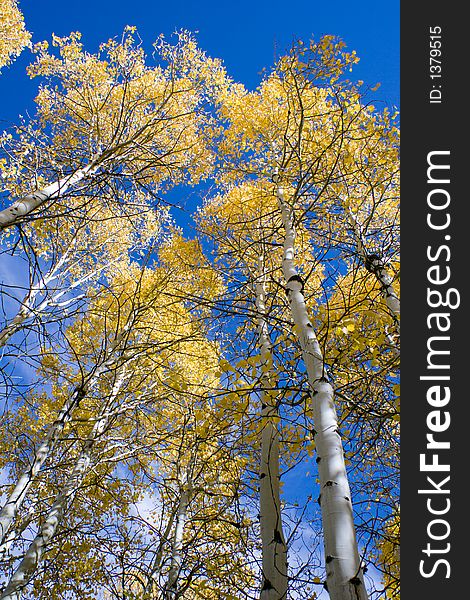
[(178, 392)]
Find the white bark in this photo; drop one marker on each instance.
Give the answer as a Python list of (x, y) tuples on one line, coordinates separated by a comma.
[(274, 549), (17, 496), (344, 579), (17, 321), (33, 556), (16, 533), (24, 206), (15, 500), (171, 588), (154, 569), (375, 265)]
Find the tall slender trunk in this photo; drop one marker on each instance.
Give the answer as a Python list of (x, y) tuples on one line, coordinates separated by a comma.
[(15, 213), (33, 556), (154, 569), (17, 496), (15, 533), (171, 588), (344, 579), (274, 548)]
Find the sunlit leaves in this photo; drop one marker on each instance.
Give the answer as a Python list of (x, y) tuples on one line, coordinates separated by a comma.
[(13, 34), (161, 331)]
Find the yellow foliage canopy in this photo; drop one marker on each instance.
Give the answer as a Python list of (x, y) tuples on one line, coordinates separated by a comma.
[(13, 34)]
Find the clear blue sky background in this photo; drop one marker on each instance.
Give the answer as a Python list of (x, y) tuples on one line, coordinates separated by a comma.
[(243, 33)]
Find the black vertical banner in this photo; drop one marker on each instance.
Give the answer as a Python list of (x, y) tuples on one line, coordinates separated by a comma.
[(435, 242)]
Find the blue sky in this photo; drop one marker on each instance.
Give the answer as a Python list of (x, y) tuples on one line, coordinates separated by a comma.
[(244, 33)]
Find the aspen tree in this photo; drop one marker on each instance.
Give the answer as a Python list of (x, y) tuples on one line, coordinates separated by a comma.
[(151, 315), (116, 351), (201, 540), (376, 265), (243, 224), (25, 570), (139, 400), (73, 256), (110, 117), (367, 184), (155, 566), (17, 496), (361, 201), (344, 570), (295, 125), (272, 536), (171, 587), (365, 370)]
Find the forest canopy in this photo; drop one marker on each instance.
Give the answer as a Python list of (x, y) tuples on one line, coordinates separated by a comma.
[(200, 399)]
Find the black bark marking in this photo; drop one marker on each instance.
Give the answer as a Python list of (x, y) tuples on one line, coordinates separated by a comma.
[(80, 392), (369, 262), (295, 278), (267, 585), (277, 537)]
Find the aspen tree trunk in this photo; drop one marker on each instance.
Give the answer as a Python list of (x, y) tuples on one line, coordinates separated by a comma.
[(26, 205), (274, 549), (171, 587), (15, 500), (344, 579), (157, 562), (16, 533), (375, 265), (33, 556), (17, 496)]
